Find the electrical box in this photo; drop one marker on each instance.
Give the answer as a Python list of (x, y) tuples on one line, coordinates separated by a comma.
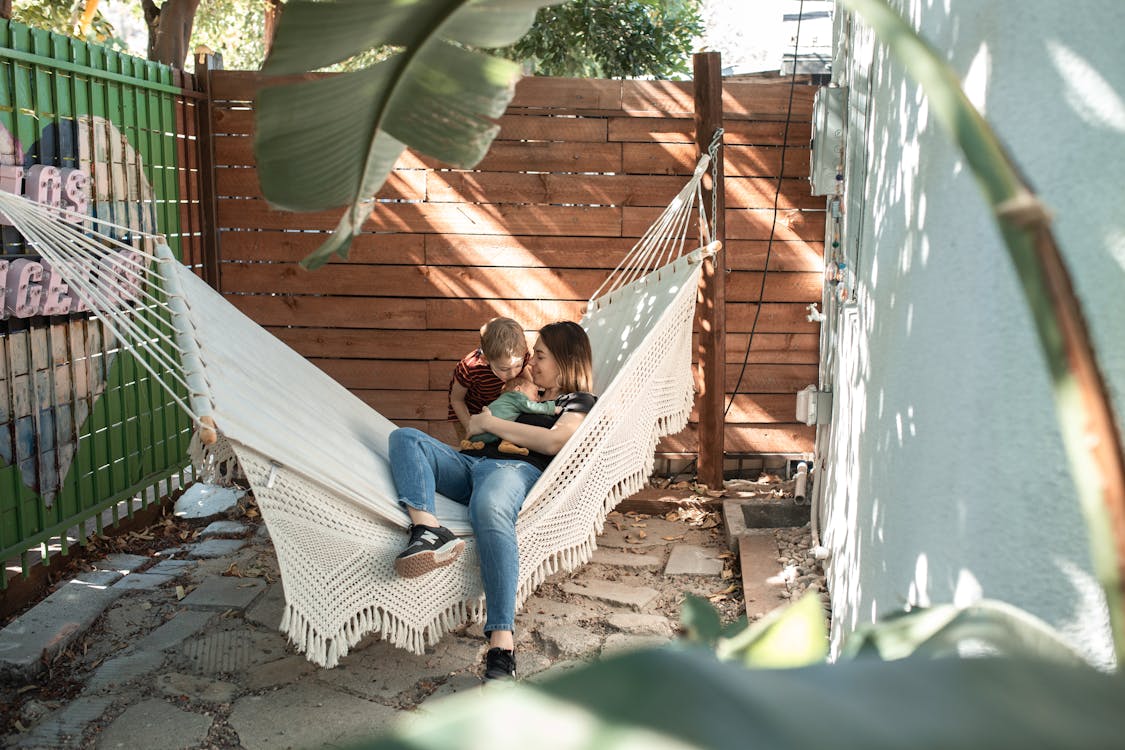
[(827, 138), (813, 406)]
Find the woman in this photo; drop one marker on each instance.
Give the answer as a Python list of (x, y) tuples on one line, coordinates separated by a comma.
[(494, 485)]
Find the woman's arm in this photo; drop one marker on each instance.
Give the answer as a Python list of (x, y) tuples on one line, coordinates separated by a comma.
[(548, 441)]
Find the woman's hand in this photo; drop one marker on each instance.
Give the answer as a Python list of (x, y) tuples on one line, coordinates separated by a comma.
[(479, 423)]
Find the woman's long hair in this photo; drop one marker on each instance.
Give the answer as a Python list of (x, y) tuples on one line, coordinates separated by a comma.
[(570, 346)]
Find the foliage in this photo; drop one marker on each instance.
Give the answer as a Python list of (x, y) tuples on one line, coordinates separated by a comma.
[(327, 142), (233, 28), (795, 636), (60, 16), (676, 698), (611, 39)]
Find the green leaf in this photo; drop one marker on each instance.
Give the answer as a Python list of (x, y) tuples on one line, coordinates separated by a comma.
[(670, 698), (332, 140), (701, 621), (792, 636), (945, 630)]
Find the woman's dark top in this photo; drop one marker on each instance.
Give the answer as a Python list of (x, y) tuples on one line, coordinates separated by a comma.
[(580, 402)]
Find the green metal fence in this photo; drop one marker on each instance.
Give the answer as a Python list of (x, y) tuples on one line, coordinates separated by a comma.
[(83, 428)]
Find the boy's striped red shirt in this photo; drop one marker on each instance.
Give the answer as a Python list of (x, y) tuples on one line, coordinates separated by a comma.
[(483, 386)]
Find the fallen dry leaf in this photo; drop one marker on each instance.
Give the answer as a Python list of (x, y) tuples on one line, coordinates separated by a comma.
[(631, 540), (672, 538), (727, 574), (642, 534), (180, 594), (233, 571), (672, 516)]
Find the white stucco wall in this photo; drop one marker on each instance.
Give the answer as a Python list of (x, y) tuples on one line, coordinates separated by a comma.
[(944, 477)]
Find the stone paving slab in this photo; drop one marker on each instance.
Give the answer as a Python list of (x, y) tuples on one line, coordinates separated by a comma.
[(52, 624), (641, 624), (761, 588), (564, 639), (121, 563), (232, 651), (693, 560), (225, 592), (268, 610), (217, 548), (617, 594), (136, 728), (382, 671), (64, 728), (624, 559), (185, 624), (172, 567), (124, 669), (177, 684), (224, 528), (306, 715), (283, 671), (143, 581), (619, 643)]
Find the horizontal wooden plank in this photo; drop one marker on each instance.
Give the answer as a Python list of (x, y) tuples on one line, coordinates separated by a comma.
[(779, 438), (546, 156), (741, 101), (738, 161), (753, 255), (605, 252), (528, 127), (242, 182), (414, 281), (409, 405), (682, 130), (763, 408), (540, 92), (453, 314), (332, 343), (750, 224), (780, 286), (776, 317), (398, 249), (439, 218), (378, 374), (332, 312), (615, 190), (237, 85), (232, 119), (238, 151)]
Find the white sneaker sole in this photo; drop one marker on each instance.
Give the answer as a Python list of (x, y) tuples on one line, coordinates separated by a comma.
[(430, 560)]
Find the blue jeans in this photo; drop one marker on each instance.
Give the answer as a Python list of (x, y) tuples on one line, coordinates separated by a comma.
[(493, 489)]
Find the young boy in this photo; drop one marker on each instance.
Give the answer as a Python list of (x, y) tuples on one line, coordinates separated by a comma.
[(520, 396), (480, 376)]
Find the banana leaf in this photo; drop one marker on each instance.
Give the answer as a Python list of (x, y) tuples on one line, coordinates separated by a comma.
[(331, 140), (675, 698)]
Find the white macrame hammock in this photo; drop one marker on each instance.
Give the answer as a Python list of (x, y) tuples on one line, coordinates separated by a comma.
[(315, 456)]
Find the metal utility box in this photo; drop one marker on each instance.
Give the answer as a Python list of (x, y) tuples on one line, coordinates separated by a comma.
[(827, 138)]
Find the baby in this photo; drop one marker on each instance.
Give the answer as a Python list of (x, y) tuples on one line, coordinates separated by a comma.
[(520, 396)]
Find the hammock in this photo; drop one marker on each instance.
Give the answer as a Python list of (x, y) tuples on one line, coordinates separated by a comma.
[(315, 456)]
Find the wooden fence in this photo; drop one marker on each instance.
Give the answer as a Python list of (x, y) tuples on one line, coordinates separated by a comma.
[(580, 169)]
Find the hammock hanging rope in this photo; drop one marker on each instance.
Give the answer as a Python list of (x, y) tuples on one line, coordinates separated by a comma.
[(316, 456)]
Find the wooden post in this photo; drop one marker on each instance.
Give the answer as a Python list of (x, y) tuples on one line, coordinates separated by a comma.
[(204, 64), (711, 315)]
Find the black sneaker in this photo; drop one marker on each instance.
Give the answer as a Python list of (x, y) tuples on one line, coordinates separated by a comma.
[(499, 664), (430, 548)]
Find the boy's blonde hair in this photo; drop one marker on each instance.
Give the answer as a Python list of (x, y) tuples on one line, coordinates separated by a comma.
[(501, 339)]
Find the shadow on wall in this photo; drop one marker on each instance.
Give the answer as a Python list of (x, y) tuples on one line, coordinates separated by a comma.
[(947, 480)]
